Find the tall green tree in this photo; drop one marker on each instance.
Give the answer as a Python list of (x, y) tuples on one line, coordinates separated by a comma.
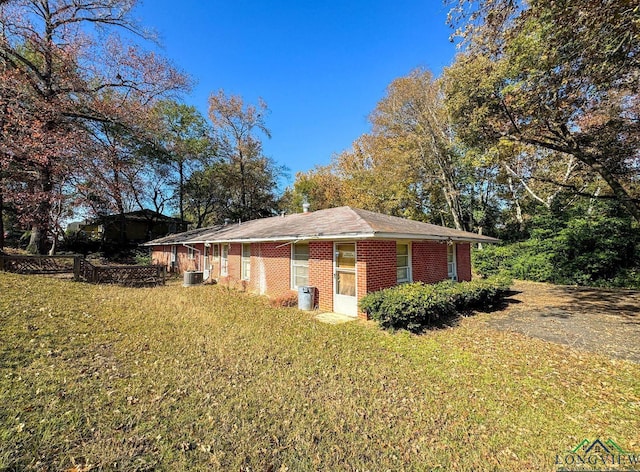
[(251, 177), (560, 76), (186, 141)]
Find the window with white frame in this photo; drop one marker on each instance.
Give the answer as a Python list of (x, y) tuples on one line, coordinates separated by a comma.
[(452, 269), (403, 267), (191, 253), (224, 262), (246, 261), (299, 265), (174, 254), (216, 252)]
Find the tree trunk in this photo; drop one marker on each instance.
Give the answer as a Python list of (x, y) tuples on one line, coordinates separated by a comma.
[(54, 245), (40, 228), (181, 188), (35, 240), (516, 202), (122, 228), (243, 188)]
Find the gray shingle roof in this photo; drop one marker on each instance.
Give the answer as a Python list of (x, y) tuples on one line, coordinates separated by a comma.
[(183, 237), (333, 223)]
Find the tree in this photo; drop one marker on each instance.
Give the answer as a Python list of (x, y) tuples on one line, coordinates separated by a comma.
[(320, 187), (412, 117), (378, 175), (560, 76), (185, 137), (207, 195), (65, 61), (251, 177)]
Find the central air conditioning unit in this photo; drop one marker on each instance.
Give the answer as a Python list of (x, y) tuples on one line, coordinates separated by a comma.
[(192, 278)]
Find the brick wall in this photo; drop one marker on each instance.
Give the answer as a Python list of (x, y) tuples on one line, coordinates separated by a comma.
[(271, 268), (162, 255), (376, 266), (321, 272), (232, 279), (463, 260), (429, 261)]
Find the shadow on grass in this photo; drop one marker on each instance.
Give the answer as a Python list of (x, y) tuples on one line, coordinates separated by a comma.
[(454, 320), (601, 301)]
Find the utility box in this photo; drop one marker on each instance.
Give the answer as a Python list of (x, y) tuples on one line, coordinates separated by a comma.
[(192, 278), (306, 298)]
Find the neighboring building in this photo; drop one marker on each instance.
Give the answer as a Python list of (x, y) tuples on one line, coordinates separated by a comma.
[(140, 226), (344, 252)]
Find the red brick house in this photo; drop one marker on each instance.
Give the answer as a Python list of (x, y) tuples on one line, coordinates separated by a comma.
[(344, 252)]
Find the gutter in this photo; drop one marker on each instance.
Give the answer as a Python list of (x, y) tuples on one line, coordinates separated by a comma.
[(348, 237)]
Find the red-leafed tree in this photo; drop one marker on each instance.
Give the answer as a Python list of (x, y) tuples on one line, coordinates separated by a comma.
[(64, 68)]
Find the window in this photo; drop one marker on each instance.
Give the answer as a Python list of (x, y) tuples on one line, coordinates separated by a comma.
[(174, 254), (452, 270), (299, 265), (402, 263), (224, 263), (191, 253), (216, 251), (246, 261)]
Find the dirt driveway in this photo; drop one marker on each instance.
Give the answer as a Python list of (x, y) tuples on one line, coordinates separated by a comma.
[(596, 320)]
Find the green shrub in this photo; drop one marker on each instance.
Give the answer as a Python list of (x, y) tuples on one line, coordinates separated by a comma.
[(142, 258), (586, 246), (415, 306)]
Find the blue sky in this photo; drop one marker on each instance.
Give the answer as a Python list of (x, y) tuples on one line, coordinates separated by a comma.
[(321, 65)]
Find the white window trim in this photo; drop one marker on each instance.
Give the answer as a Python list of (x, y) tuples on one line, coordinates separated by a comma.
[(454, 263), (224, 261), (409, 263), (245, 262), (191, 253), (293, 264)]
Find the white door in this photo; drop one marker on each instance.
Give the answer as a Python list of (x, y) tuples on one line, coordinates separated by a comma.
[(345, 298)]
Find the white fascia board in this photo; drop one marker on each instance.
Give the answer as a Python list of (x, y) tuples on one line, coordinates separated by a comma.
[(330, 237), (425, 237)]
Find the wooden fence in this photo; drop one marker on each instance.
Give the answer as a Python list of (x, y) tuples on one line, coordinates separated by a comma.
[(62, 264), (83, 270), (122, 274)]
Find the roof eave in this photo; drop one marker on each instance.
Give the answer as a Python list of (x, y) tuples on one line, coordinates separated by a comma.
[(299, 237), (340, 237), (434, 237)]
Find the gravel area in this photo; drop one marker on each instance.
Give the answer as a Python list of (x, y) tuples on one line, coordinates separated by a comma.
[(596, 320)]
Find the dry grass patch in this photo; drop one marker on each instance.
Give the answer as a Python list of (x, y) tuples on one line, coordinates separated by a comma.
[(170, 378)]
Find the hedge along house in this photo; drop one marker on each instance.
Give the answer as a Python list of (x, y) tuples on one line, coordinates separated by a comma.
[(343, 252)]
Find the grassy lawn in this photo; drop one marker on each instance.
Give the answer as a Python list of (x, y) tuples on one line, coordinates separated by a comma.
[(173, 378)]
